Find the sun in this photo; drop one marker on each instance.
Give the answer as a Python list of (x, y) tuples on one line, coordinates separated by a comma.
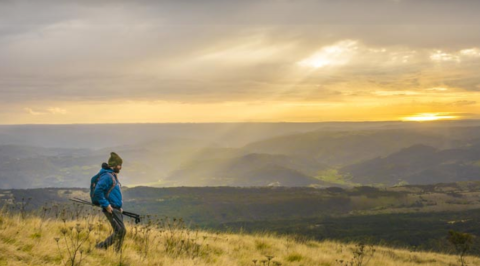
[(429, 117)]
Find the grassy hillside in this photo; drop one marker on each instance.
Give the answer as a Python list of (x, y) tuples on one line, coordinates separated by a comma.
[(36, 241), (213, 205)]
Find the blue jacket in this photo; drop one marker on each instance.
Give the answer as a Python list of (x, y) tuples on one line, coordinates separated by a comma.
[(108, 189)]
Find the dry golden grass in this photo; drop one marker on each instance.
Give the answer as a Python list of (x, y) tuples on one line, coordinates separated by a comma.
[(32, 242)]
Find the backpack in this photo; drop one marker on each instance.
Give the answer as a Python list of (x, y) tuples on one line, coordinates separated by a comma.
[(94, 181)]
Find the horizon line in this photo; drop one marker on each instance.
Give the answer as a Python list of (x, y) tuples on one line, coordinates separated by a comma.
[(247, 122)]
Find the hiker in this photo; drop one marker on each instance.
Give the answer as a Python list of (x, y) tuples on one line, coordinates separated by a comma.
[(107, 193)]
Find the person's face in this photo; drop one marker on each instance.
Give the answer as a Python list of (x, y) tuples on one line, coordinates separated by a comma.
[(117, 169)]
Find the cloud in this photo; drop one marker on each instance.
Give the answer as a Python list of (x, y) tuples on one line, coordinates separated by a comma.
[(56, 110), (438, 89), (464, 103), (472, 52), (52, 110), (338, 54), (234, 73), (53, 52), (439, 56), (458, 56), (32, 112)]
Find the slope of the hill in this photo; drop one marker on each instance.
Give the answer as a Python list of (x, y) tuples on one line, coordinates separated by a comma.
[(167, 163), (419, 164), (343, 148), (33, 241), (247, 170), (211, 206)]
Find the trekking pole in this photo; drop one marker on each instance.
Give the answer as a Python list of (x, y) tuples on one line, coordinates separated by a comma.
[(78, 200), (128, 214)]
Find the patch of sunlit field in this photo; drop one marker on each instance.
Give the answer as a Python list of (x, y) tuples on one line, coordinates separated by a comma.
[(36, 241), (461, 196), (425, 202)]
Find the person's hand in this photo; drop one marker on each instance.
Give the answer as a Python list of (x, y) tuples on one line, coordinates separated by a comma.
[(109, 209), (121, 210)]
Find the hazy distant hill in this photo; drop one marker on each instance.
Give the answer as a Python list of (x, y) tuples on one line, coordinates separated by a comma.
[(22, 151), (96, 136), (419, 164), (215, 154), (246, 170), (343, 148), (28, 167), (109, 135)]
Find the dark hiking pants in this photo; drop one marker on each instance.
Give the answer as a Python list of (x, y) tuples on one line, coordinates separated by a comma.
[(116, 220)]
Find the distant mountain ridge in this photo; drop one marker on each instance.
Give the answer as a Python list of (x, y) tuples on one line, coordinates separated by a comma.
[(247, 170), (343, 148), (358, 154), (419, 164)]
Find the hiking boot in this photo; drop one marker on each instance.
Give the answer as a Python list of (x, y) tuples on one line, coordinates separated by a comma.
[(99, 245)]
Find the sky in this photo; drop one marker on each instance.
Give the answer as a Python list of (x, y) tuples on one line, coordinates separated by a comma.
[(64, 62)]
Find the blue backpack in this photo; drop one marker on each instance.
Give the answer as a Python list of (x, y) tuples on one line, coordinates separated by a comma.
[(94, 181)]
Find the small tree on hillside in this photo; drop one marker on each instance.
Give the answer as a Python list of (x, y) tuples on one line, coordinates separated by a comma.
[(462, 242), (362, 254)]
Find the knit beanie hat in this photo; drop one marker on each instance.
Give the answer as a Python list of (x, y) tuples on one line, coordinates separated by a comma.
[(114, 160)]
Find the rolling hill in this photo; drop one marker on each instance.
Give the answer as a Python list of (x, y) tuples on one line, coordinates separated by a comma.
[(246, 170), (356, 155), (348, 147), (419, 164)]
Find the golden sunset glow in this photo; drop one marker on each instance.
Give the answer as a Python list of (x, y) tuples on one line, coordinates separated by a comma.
[(241, 61), (430, 117)]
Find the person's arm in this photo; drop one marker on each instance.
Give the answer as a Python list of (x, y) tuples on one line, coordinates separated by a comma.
[(101, 189)]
